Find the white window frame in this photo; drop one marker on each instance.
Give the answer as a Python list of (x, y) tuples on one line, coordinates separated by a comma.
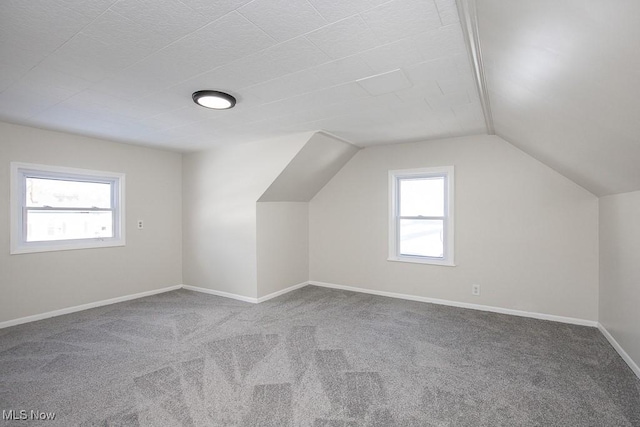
[(447, 172), (21, 171)]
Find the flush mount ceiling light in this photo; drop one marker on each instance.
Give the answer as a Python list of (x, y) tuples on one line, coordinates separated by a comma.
[(214, 99)]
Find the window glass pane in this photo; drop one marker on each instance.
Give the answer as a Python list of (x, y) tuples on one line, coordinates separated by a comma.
[(68, 194), (422, 237), (57, 225), (422, 196)]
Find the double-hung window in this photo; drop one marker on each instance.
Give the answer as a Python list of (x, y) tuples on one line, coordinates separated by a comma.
[(55, 208), (421, 215)]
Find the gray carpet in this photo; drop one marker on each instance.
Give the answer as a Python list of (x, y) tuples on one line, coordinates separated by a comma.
[(314, 357)]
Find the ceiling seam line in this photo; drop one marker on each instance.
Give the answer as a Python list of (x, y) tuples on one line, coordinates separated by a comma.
[(331, 59), (467, 12)]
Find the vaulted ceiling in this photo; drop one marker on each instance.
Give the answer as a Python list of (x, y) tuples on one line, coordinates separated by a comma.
[(562, 77), (564, 85)]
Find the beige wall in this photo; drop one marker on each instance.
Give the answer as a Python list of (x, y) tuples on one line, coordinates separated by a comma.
[(523, 232), (41, 282), (620, 270), (528, 235), (220, 190), (283, 245)]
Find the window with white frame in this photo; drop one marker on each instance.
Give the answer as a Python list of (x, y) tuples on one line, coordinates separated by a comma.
[(56, 208), (421, 215)]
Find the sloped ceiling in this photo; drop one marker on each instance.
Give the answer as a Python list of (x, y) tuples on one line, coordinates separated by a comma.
[(309, 171), (564, 85), (563, 77), (370, 71)]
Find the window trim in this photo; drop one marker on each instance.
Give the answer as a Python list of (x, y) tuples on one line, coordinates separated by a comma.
[(394, 178), (19, 173)]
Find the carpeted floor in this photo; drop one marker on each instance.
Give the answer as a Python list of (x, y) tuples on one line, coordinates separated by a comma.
[(313, 357)]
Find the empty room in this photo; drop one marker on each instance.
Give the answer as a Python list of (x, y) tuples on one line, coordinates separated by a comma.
[(324, 213)]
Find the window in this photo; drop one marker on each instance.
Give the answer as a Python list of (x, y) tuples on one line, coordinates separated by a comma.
[(54, 208), (421, 215)]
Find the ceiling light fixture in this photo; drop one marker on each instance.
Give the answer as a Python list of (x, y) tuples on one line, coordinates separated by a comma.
[(214, 99)]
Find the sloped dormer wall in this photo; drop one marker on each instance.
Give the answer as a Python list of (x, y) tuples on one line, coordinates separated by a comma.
[(220, 189), (283, 212), (245, 228)]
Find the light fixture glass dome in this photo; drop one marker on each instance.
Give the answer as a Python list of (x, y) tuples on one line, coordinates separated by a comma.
[(214, 99)]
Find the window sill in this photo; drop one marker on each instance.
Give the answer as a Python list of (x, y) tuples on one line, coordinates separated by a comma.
[(66, 246), (417, 260)]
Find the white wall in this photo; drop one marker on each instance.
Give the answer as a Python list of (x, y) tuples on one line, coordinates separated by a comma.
[(310, 170), (523, 232), (620, 270), (283, 245), (41, 282), (220, 190)]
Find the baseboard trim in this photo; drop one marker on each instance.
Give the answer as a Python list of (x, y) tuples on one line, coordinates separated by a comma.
[(282, 292), (68, 310), (242, 297), (541, 316), (221, 294), (634, 367), (87, 306), (500, 310)]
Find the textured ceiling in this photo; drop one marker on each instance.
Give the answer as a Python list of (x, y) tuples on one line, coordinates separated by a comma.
[(564, 84), (369, 71)]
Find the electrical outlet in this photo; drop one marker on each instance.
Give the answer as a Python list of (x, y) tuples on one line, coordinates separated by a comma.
[(140, 224), (475, 290)]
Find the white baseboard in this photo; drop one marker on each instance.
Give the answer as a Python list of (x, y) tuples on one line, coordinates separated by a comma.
[(541, 316), (252, 300), (221, 294), (242, 297), (68, 310), (634, 367), (76, 308), (282, 292), (632, 364)]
